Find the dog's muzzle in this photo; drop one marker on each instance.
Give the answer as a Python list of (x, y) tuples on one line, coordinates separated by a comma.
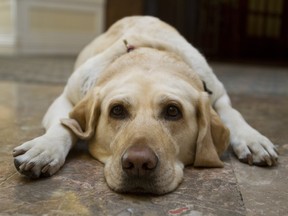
[(139, 161), (139, 167)]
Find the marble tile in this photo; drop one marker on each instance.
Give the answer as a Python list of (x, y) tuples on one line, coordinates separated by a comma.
[(80, 189), (252, 79), (264, 190), (40, 69)]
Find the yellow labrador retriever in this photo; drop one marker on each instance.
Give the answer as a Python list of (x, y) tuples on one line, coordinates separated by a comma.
[(145, 99)]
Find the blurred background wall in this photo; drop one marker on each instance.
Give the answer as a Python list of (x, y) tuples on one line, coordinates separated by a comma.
[(221, 29), (49, 26)]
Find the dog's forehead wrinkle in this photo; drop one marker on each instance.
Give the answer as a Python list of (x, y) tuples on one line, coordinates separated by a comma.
[(122, 99), (165, 99), (139, 81)]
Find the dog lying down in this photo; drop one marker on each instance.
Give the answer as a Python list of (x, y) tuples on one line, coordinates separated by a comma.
[(149, 104)]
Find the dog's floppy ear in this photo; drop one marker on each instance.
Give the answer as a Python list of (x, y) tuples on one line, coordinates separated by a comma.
[(84, 117), (213, 136)]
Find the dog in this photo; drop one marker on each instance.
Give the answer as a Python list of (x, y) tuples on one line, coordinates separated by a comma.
[(148, 104)]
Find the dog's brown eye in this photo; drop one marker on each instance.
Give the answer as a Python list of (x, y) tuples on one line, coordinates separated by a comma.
[(118, 112), (172, 112)]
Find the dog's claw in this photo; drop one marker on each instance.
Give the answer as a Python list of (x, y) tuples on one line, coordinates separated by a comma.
[(268, 160), (248, 159), (45, 169), (17, 164), (29, 166), (16, 152), (23, 169), (274, 160), (276, 150)]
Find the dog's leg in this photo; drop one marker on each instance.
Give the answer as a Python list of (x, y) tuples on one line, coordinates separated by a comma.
[(45, 155), (248, 144)]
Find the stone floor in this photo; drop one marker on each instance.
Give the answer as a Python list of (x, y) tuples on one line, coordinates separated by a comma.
[(28, 85)]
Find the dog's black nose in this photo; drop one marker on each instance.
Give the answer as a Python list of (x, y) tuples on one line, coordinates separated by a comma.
[(139, 161)]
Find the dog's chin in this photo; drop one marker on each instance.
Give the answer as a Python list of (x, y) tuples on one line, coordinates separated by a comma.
[(154, 185), (141, 188)]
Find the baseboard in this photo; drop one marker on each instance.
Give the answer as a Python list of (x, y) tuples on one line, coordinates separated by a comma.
[(7, 44)]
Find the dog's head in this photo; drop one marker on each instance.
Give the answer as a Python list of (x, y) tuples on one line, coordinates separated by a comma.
[(147, 118)]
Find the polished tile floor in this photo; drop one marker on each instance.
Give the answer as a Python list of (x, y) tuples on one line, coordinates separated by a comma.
[(28, 85)]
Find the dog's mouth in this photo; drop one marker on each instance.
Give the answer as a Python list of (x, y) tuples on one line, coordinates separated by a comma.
[(138, 190), (139, 186)]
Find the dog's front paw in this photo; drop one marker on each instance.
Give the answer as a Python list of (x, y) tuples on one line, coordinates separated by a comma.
[(39, 157), (253, 148)]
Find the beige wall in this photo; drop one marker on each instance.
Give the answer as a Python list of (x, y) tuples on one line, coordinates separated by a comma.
[(43, 19), (49, 26), (6, 26)]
